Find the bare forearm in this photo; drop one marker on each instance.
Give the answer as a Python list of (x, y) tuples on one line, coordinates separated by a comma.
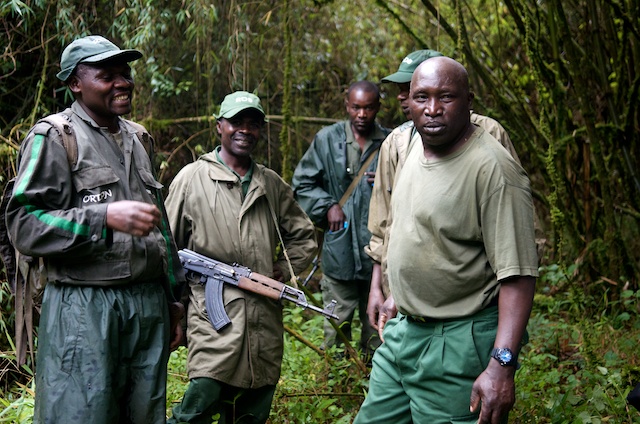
[(376, 277), (376, 296), (514, 309), (494, 389)]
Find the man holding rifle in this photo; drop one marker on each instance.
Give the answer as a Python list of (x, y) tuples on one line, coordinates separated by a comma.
[(227, 207)]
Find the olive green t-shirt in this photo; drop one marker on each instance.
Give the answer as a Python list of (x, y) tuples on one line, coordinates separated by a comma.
[(244, 181), (460, 224)]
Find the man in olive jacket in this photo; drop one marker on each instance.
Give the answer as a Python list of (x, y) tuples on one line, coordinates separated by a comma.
[(229, 208), (323, 175)]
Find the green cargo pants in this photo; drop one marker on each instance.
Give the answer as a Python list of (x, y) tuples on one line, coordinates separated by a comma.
[(102, 355), (423, 372)]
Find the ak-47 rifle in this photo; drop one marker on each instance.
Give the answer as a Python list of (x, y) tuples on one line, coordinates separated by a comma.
[(214, 273)]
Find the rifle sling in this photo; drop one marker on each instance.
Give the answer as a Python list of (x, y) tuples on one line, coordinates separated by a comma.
[(356, 180)]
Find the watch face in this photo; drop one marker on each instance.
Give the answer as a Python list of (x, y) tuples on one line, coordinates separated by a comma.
[(505, 355)]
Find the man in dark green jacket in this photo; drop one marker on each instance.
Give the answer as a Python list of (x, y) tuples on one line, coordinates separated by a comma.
[(100, 226), (324, 174)]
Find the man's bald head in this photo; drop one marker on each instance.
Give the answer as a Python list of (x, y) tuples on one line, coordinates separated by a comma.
[(447, 69)]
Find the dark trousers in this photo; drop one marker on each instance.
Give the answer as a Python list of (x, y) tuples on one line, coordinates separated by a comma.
[(102, 355), (207, 399)]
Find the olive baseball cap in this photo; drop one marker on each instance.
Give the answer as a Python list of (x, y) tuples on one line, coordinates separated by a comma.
[(238, 101), (409, 64), (92, 49)]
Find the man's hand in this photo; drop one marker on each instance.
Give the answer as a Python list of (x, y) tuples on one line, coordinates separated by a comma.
[(387, 311), (176, 334), (371, 176), (496, 391), (277, 273), (374, 304), (376, 296), (336, 218), (379, 310), (132, 217)]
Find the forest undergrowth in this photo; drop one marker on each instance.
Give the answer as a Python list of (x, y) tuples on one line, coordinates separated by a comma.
[(580, 363)]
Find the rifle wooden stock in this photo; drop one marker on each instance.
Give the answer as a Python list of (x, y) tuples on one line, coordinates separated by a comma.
[(214, 273), (264, 286)]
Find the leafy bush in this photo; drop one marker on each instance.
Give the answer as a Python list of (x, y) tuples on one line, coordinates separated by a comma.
[(578, 367), (314, 388)]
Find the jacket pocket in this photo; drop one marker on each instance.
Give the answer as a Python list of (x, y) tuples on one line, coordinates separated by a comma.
[(337, 254), (112, 264), (94, 177), (148, 180)]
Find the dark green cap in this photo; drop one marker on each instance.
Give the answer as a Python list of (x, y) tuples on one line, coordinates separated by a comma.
[(235, 103), (92, 49), (409, 64)]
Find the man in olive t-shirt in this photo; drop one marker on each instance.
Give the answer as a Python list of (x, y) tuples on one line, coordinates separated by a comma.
[(462, 264)]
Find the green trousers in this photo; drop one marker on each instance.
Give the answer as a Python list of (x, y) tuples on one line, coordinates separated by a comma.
[(351, 296), (102, 355), (423, 372), (207, 400)]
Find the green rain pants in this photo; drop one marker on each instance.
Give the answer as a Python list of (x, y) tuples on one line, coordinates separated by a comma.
[(423, 372), (102, 355)]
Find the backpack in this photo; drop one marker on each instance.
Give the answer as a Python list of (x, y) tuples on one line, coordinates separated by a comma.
[(27, 275)]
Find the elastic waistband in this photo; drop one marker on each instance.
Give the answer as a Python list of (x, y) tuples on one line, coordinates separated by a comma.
[(428, 320)]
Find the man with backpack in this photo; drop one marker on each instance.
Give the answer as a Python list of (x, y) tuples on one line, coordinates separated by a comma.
[(92, 210)]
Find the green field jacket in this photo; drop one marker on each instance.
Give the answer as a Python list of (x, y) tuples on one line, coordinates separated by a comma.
[(58, 210), (209, 215), (319, 181)]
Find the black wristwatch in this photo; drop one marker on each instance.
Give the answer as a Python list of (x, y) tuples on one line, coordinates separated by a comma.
[(504, 356)]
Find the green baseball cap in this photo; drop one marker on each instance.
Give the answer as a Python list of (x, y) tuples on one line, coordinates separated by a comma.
[(235, 103), (92, 49), (409, 64)]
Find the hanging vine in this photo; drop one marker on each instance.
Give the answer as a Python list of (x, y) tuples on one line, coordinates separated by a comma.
[(285, 132)]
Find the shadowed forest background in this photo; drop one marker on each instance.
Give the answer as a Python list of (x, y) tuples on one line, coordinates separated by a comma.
[(563, 78)]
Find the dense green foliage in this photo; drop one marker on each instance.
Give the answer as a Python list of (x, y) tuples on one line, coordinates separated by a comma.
[(577, 367), (562, 77)]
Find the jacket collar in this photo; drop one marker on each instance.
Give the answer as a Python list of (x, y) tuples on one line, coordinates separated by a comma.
[(78, 110), (218, 171), (378, 134)]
